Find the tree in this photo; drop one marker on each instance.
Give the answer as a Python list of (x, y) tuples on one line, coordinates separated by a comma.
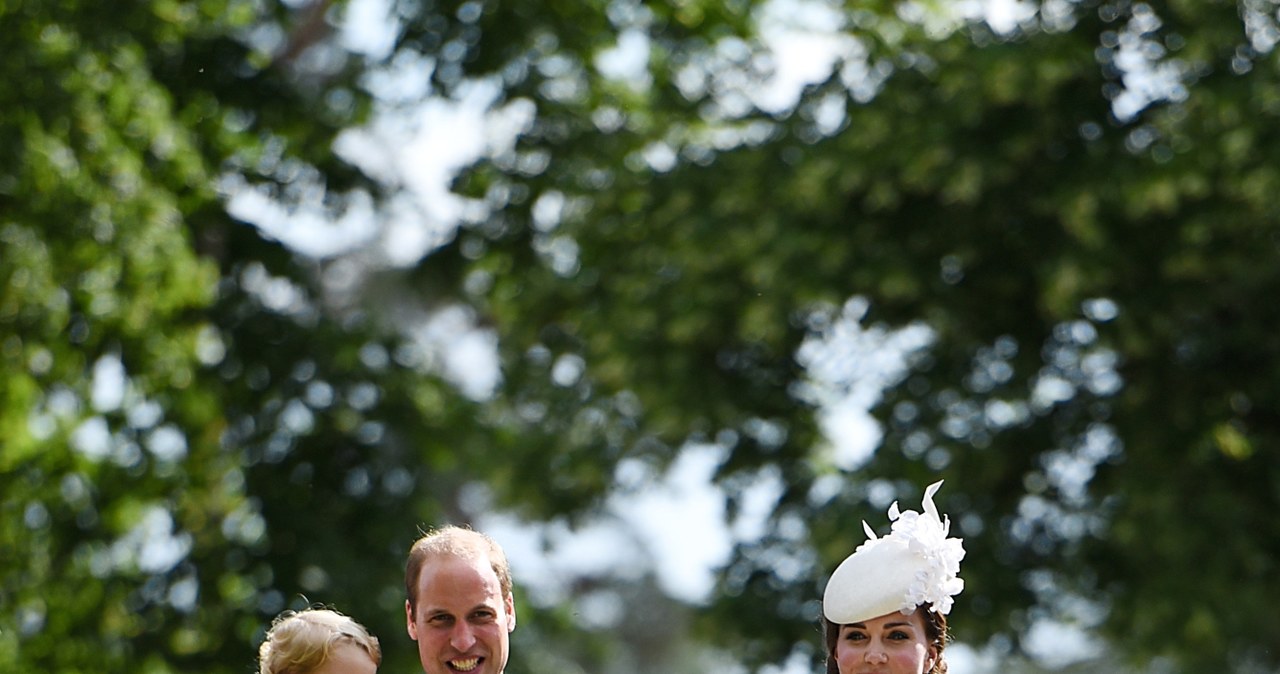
[(201, 426), (155, 383), (1083, 244)]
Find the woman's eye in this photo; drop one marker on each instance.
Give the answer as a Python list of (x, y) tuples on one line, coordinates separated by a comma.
[(899, 635), (855, 636)]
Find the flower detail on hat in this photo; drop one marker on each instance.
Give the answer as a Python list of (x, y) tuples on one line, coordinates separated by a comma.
[(926, 536)]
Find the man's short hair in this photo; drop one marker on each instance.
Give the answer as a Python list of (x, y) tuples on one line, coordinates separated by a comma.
[(454, 541)]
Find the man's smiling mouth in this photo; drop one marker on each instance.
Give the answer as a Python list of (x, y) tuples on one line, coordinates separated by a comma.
[(464, 665)]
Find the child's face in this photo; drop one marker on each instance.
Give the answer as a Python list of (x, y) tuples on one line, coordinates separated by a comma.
[(347, 658)]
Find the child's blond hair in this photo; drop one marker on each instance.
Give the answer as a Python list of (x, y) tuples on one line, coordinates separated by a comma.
[(301, 641)]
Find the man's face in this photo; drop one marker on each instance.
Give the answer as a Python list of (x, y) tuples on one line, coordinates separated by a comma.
[(462, 622)]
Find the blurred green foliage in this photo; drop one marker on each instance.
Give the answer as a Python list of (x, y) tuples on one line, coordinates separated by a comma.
[(196, 431)]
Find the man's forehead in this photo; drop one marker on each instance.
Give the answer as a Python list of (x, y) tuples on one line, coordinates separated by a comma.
[(459, 565), (459, 577)]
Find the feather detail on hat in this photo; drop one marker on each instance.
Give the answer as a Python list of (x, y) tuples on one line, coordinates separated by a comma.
[(915, 564)]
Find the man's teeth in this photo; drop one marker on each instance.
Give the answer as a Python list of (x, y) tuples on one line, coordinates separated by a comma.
[(465, 665)]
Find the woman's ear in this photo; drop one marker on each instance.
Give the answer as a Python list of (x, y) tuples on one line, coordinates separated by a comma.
[(931, 659)]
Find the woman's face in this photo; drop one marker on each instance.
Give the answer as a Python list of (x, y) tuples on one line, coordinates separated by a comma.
[(891, 644)]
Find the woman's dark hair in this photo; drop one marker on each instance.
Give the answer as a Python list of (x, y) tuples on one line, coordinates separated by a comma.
[(935, 630)]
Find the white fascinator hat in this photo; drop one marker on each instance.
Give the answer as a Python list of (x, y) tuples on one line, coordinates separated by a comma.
[(915, 564)]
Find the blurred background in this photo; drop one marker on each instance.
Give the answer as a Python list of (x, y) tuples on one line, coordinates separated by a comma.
[(668, 297)]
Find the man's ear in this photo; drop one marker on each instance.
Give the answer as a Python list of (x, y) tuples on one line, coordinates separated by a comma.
[(511, 612), (408, 621)]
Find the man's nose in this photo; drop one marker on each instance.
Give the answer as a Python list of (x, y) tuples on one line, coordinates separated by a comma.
[(462, 636)]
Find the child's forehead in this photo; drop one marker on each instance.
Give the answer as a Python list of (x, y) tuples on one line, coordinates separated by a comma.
[(347, 657)]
